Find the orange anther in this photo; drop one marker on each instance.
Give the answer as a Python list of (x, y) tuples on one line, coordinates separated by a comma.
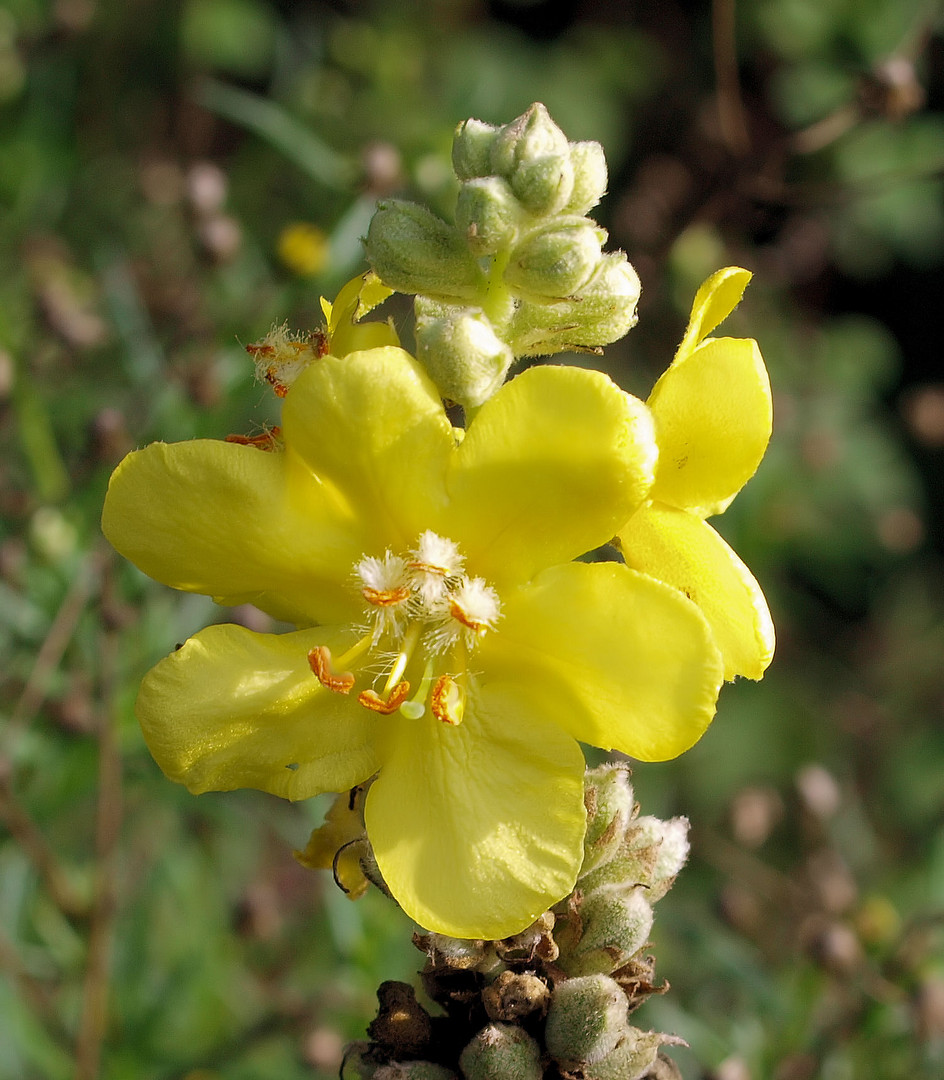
[(319, 660), (445, 701), (376, 703), (385, 597), (429, 568), (460, 616), (272, 377)]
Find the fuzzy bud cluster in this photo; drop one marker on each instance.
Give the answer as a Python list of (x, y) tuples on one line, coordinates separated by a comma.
[(521, 271), (556, 999)]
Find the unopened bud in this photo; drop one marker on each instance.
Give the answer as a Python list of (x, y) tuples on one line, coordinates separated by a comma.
[(632, 1057), (672, 848), (608, 797), (527, 138), (501, 1052), (589, 165), (533, 154), (585, 1021), (413, 251), (488, 214), (614, 924), (602, 311), (472, 148), (556, 260), (462, 353)]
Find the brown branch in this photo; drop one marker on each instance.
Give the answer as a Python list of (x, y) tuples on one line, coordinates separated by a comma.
[(31, 840), (94, 1018), (32, 991), (731, 114), (56, 642)]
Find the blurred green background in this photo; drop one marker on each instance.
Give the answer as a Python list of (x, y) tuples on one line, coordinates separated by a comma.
[(177, 176)]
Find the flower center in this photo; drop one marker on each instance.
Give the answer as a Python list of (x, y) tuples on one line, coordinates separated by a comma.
[(424, 616)]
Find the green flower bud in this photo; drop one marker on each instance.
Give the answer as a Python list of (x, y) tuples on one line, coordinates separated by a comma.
[(585, 1021), (533, 155), (608, 928), (602, 312), (413, 251), (488, 213), (414, 1070), (589, 165), (608, 797), (471, 149), (632, 1057), (527, 138), (544, 186), (357, 1063), (556, 260), (501, 1052), (462, 353), (671, 847)]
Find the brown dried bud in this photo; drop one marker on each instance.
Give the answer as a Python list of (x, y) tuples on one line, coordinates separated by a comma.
[(514, 995)]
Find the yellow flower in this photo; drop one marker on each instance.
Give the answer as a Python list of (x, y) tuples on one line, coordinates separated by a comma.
[(713, 415), (447, 642), (304, 248)]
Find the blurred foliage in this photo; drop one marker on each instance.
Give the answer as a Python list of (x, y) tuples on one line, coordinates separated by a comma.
[(156, 158)]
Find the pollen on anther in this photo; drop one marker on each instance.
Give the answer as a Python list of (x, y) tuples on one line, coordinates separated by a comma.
[(373, 701), (435, 562), (447, 701), (319, 660), (475, 605)]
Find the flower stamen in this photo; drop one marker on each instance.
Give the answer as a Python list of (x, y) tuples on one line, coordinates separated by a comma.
[(447, 701), (370, 699), (319, 660)]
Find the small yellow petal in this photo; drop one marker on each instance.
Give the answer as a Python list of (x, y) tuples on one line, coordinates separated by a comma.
[(232, 709), (338, 844), (685, 552), (713, 418), (358, 297), (715, 300), (624, 661)]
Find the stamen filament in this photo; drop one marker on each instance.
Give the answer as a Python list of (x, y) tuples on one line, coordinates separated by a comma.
[(406, 651), (355, 651)]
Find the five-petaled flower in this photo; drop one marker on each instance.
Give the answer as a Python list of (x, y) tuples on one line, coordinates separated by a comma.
[(712, 412), (447, 641)]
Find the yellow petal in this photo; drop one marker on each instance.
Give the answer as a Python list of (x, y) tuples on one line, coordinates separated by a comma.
[(685, 552), (627, 663), (232, 709), (478, 828), (338, 845), (358, 297), (715, 300), (713, 419), (372, 426), (237, 523), (547, 470)]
